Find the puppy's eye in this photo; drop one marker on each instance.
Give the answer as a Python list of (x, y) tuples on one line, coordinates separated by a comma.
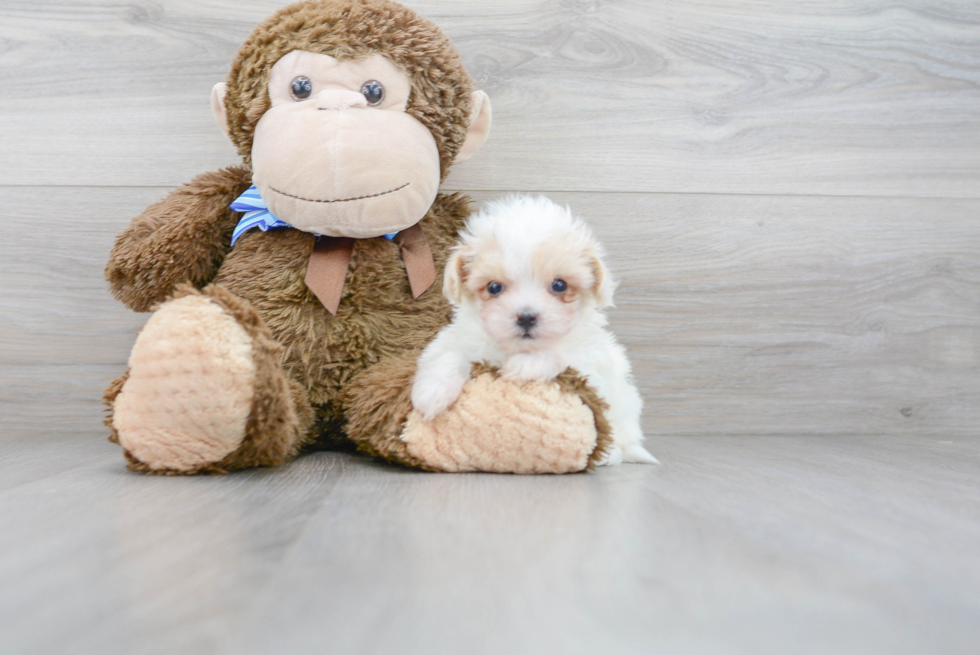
[(559, 286), (495, 288), (301, 87), (373, 91)]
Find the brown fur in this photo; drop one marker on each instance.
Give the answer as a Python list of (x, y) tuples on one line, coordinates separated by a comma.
[(108, 399), (377, 318), (376, 405), (261, 284), (181, 239), (280, 416), (571, 381), (306, 358), (378, 402), (441, 87)]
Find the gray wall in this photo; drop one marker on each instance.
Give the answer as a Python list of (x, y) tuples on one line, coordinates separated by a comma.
[(790, 192)]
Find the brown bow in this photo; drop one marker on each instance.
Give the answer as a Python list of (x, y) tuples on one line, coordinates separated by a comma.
[(327, 270)]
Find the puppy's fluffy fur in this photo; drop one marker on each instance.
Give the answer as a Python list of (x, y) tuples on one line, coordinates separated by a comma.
[(528, 286)]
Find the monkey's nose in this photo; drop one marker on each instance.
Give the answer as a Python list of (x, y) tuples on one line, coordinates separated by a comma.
[(340, 99), (526, 320)]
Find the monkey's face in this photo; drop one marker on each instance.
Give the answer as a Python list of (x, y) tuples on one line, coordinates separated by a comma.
[(336, 154)]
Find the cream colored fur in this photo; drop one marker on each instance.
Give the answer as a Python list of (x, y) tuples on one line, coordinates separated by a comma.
[(523, 245), (482, 432), (190, 387)]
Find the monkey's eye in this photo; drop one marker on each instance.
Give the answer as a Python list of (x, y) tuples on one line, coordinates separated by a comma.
[(301, 87), (559, 286), (495, 288), (373, 91)]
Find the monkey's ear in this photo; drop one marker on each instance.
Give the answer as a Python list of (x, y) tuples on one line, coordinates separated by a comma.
[(452, 283), (479, 128), (218, 92)]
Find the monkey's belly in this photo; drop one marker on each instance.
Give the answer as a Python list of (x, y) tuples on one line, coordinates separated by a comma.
[(377, 316)]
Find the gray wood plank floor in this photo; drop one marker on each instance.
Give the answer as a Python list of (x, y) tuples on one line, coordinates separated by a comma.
[(734, 545), (790, 193)]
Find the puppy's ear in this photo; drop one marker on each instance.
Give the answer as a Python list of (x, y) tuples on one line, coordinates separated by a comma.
[(455, 277), (604, 284)]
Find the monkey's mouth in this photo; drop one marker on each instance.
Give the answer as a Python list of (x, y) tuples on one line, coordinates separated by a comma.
[(373, 195)]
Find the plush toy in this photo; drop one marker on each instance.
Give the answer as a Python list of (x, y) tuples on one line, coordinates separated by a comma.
[(292, 295)]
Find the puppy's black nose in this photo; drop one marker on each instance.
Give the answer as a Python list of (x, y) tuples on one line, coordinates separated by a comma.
[(526, 320)]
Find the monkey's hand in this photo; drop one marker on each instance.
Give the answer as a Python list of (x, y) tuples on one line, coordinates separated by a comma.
[(181, 239)]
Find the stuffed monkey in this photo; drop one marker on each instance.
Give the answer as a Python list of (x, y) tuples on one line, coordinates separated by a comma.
[(291, 295)]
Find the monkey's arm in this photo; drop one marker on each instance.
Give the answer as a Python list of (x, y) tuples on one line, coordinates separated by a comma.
[(181, 239)]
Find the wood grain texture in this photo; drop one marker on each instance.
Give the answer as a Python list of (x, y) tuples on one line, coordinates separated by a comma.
[(858, 98), (790, 194), (742, 314), (734, 545)]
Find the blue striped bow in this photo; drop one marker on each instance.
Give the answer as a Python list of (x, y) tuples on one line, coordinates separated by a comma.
[(257, 214)]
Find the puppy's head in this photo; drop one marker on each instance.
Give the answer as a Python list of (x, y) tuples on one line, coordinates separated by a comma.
[(530, 270)]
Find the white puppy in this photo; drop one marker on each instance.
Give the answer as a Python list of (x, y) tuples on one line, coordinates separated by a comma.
[(528, 286)]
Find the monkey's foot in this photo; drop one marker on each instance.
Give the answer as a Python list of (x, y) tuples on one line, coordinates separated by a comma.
[(204, 392), (496, 425), (500, 425)]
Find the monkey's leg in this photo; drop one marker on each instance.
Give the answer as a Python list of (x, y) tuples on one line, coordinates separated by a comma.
[(496, 425), (205, 392)]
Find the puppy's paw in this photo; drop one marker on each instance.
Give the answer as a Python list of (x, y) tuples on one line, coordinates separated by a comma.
[(637, 454), (432, 397), (634, 454), (532, 366), (613, 457)]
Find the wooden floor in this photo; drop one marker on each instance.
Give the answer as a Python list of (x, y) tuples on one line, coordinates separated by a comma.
[(790, 193), (779, 544)]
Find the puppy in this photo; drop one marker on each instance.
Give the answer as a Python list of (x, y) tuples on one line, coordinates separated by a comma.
[(528, 286)]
